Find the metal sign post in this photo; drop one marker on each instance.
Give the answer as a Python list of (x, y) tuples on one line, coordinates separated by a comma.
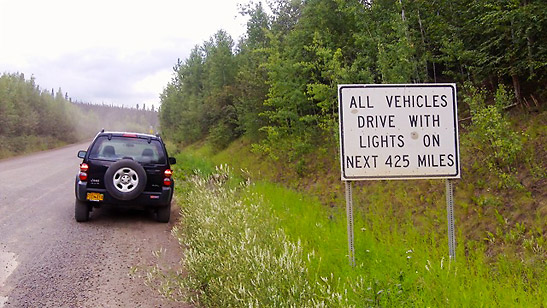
[(450, 219), (349, 215), (399, 132)]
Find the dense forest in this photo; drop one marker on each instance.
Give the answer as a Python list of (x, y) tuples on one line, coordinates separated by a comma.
[(27, 110), (33, 119), (277, 85)]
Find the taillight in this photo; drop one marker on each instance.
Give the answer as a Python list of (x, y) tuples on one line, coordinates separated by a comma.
[(167, 180), (84, 167), (83, 176), (83, 171)]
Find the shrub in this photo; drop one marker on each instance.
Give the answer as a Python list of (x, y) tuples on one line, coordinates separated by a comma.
[(221, 135), (492, 135)]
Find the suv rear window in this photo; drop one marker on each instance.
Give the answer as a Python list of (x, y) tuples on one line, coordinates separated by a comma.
[(122, 147)]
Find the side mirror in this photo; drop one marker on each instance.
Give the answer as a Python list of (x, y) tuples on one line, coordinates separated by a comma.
[(82, 153), (172, 160)]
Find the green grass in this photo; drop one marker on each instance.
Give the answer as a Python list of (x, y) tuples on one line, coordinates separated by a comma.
[(192, 162), (398, 264), (303, 218), (400, 234)]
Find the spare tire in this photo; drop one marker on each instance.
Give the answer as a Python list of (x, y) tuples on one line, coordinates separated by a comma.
[(125, 179)]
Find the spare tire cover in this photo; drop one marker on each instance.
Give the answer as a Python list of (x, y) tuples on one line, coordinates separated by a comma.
[(125, 179)]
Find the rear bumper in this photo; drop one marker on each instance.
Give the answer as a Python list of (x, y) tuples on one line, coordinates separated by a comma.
[(145, 199)]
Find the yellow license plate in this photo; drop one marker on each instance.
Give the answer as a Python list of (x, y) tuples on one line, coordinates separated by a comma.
[(95, 197)]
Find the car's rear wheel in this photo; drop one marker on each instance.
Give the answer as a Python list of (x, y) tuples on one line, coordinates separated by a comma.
[(82, 210), (163, 213), (125, 179)]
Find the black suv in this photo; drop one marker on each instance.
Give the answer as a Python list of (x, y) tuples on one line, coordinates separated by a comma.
[(125, 169)]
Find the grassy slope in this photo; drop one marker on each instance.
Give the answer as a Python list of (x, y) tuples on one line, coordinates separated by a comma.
[(401, 241), (510, 215)]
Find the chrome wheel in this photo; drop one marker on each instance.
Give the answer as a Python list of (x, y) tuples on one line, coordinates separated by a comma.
[(125, 179)]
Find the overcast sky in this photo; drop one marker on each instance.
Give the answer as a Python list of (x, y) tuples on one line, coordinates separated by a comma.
[(108, 51)]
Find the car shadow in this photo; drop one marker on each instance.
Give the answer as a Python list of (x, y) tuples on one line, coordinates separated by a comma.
[(116, 214)]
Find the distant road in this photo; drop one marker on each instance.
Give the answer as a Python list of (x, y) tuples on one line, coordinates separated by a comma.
[(47, 259)]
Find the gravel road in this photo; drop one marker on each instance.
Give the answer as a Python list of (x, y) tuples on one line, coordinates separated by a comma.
[(47, 259)]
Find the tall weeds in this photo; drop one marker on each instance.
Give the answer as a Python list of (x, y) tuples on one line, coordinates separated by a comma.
[(236, 255), (262, 245)]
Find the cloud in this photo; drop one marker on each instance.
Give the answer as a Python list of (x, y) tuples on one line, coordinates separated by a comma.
[(103, 51), (103, 75)]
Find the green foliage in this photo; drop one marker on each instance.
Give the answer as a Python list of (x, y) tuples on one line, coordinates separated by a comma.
[(27, 111), (235, 254), (396, 63), (180, 112), (189, 164), (202, 93), (33, 119), (278, 87), (221, 135), (511, 33), (264, 245), (492, 134)]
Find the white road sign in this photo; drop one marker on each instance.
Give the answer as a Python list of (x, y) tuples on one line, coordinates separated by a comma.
[(398, 132)]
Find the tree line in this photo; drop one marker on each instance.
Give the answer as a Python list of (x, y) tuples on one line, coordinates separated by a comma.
[(116, 118), (277, 85), (32, 118), (27, 110)]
